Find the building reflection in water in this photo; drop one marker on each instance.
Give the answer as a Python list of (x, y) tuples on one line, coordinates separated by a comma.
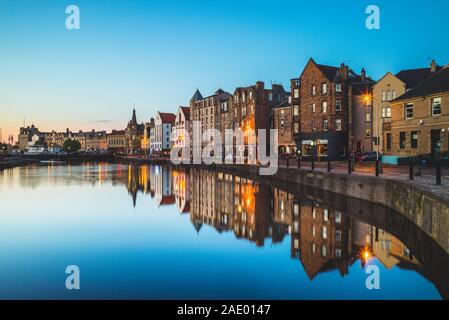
[(322, 238)]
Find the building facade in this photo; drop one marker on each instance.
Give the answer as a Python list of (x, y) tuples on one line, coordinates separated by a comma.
[(420, 120), (181, 130), (133, 136), (285, 122), (161, 137)]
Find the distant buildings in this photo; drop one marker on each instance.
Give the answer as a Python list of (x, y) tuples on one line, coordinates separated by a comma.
[(161, 139), (133, 135)]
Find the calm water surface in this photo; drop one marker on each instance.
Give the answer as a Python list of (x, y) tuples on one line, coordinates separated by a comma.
[(153, 232)]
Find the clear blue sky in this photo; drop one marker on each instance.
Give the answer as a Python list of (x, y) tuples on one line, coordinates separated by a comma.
[(156, 53)]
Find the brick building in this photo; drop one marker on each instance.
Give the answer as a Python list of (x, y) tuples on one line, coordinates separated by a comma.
[(285, 120), (326, 110)]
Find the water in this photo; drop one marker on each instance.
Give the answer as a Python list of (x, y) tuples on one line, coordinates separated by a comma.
[(155, 232)]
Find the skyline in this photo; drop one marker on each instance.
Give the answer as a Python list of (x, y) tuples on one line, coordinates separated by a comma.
[(134, 53)]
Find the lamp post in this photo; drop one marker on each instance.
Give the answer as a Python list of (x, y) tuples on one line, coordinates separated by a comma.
[(369, 99)]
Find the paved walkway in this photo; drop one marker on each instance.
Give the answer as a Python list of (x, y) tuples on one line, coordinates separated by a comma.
[(427, 181)]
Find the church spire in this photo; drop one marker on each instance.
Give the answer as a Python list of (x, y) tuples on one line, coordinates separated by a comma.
[(134, 118)]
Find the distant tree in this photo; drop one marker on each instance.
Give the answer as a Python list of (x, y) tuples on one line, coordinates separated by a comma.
[(71, 145)]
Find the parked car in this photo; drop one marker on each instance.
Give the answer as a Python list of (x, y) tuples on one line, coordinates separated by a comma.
[(370, 157)]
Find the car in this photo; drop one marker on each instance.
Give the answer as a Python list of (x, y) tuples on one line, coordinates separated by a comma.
[(370, 157)]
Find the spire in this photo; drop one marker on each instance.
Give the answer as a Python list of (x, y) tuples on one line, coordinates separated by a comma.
[(197, 96), (134, 118)]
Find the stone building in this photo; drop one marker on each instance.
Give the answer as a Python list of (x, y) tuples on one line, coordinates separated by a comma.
[(420, 120), (133, 135), (388, 88), (116, 141), (285, 121), (253, 110), (146, 138), (326, 110)]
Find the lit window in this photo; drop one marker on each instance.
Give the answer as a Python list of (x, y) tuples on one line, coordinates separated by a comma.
[(324, 88), (337, 217), (326, 125), (313, 90), (368, 133), (368, 117), (338, 124), (296, 110), (324, 106), (296, 93), (314, 107), (324, 233)]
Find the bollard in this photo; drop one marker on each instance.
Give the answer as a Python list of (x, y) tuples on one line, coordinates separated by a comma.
[(377, 167), (299, 162), (288, 162), (411, 170), (313, 163), (328, 165), (438, 172), (349, 165)]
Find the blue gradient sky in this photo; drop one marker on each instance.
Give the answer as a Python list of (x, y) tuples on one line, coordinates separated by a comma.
[(156, 53)]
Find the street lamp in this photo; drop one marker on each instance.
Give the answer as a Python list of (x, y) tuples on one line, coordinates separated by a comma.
[(369, 99)]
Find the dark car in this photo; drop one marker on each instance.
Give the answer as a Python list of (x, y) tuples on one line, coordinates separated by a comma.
[(372, 156)]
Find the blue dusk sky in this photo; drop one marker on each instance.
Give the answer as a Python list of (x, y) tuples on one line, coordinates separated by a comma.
[(156, 53)]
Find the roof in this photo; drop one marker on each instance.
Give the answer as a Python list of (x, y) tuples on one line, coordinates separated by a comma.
[(283, 104), (329, 71), (186, 111), (167, 117), (196, 96), (413, 77), (361, 88), (438, 82)]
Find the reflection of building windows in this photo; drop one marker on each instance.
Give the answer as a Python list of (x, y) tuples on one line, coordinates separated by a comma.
[(402, 140), (326, 215), (313, 231), (436, 107), (324, 233), (338, 253), (414, 139), (338, 235), (313, 248), (324, 251), (368, 133), (337, 217)]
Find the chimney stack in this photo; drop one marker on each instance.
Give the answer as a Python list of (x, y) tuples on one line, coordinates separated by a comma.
[(344, 71), (363, 74), (433, 66)]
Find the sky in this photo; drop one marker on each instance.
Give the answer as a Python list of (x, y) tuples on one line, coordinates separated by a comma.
[(155, 54)]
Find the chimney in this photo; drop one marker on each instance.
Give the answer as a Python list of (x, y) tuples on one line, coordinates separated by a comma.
[(363, 74), (344, 71), (260, 85), (433, 66)]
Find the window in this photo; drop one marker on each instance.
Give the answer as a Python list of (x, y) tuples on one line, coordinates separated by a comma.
[(250, 95), (324, 233), (313, 90), (314, 107), (338, 87), (402, 140), (338, 235), (368, 133), (384, 95), (296, 93), (313, 126), (394, 94), (324, 251), (337, 105), (368, 117), (270, 96), (436, 106), (326, 125), (386, 112), (338, 253), (324, 106), (296, 111), (414, 139), (389, 95), (389, 141), (409, 111), (326, 215), (338, 124), (296, 128), (324, 88), (337, 217), (282, 123)]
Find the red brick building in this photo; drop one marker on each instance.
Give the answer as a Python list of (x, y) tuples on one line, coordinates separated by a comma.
[(325, 110)]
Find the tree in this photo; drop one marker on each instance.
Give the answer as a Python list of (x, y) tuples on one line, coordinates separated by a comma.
[(71, 145)]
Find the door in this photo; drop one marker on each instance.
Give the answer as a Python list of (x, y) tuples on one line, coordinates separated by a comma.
[(435, 143)]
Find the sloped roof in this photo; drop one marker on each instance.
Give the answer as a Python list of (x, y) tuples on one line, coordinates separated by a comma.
[(413, 77), (186, 111), (167, 117), (196, 96), (329, 71), (438, 82)]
